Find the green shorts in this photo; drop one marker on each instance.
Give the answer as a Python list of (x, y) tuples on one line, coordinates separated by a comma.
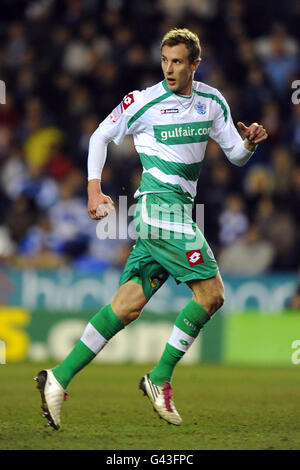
[(169, 243)]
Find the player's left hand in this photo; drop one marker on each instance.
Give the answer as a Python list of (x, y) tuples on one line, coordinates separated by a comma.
[(255, 134)]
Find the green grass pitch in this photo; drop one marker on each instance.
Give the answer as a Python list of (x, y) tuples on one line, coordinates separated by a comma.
[(222, 408)]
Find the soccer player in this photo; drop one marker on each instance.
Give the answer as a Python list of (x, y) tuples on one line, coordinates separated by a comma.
[(170, 123)]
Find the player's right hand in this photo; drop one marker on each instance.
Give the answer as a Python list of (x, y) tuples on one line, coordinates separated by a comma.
[(99, 205)]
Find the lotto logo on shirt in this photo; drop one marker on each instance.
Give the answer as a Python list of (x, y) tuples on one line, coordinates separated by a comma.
[(128, 100), (194, 257)]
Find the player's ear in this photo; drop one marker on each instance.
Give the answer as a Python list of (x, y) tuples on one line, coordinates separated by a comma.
[(196, 63)]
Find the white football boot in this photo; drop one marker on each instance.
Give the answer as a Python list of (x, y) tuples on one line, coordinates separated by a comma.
[(53, 395), (161, 399)]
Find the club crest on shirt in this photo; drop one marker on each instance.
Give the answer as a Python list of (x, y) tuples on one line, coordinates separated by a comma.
[(200, 107)]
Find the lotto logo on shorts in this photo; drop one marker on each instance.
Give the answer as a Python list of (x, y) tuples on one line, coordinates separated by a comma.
[(194, 257), (128, 100)]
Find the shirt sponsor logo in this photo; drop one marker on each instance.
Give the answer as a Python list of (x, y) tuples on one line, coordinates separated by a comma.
[(169, 111), (185, 133), (194, 257), (128, 100), (116, 113)]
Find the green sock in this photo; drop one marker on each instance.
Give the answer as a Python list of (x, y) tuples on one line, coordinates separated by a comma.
[(187, 326), (101, 328)]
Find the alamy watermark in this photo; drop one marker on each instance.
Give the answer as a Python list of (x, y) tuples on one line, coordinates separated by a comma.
[(150, 221), (2, 352), (2, 92), (295, 358), (296, 93)]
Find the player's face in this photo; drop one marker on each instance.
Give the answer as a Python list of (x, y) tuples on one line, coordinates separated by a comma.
[(177, 69)]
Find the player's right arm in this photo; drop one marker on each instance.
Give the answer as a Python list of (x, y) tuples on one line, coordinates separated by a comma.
[(113, 128), (96, 160)]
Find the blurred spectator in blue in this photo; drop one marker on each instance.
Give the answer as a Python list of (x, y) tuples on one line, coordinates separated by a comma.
[(40, 248), (250, 255), (40, 187), (233, 220), (14, 173), (69, 218), (278, 53)]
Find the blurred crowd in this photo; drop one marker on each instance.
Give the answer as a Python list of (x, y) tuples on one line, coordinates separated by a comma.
[(68, 63)]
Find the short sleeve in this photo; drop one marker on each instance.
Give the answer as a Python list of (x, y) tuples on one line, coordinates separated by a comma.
[(120, 122)]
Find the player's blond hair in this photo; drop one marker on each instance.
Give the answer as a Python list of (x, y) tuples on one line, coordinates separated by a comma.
[(183, 36)]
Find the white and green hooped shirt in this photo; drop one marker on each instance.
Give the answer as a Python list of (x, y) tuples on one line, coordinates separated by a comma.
[(170, 133)]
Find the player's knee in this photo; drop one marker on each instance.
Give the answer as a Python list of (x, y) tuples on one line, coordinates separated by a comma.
[(212, 302), (128, 311), (128, 302), (127, 315)]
